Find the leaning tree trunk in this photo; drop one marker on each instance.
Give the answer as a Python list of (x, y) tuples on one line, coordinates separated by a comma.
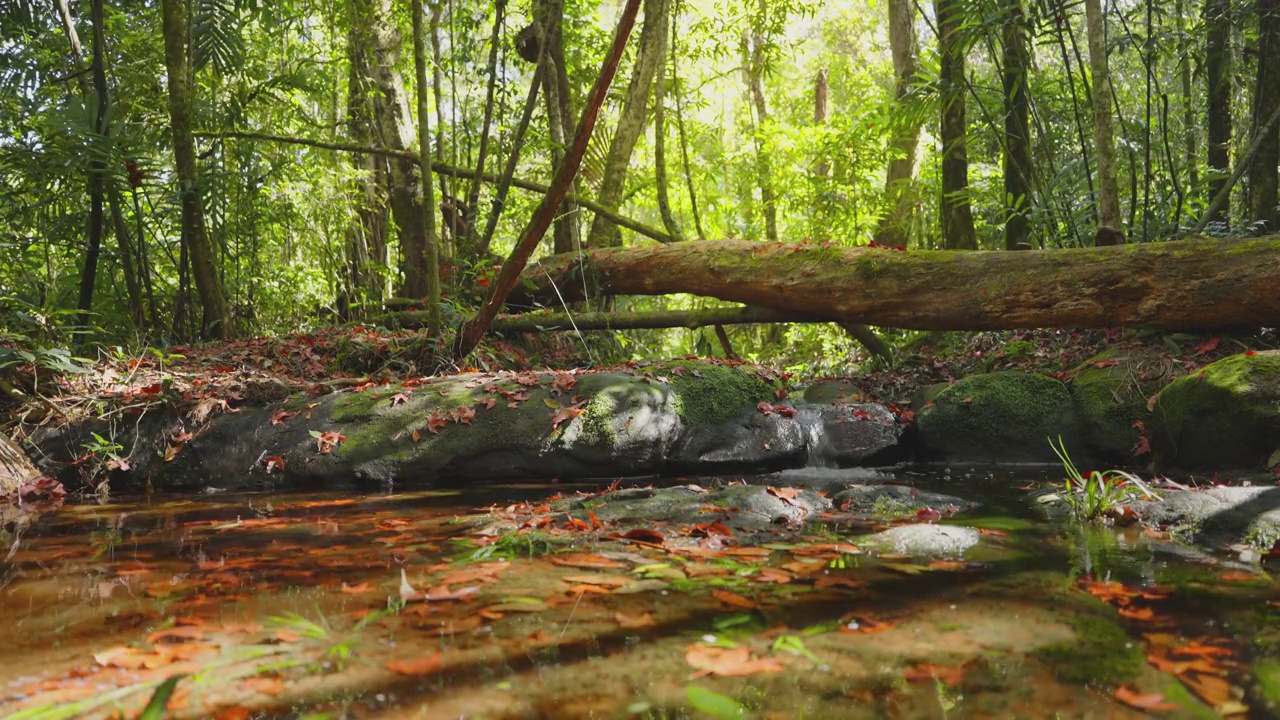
[(1175, 285), (953, 208), (653, 43), (1105, 148), (894, 225), (1218, 78), (1264, 171), (217, 315), (1017, 127)]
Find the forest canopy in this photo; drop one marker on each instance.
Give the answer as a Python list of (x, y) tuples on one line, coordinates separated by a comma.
[(176, 169)]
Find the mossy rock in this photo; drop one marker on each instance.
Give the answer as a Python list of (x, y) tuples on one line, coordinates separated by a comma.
[(1110, 392), (1227, 415), (998, 417), (1102, 654), (1266, 675)]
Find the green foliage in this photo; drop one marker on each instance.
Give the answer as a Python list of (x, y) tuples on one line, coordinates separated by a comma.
[(1098, 494), (721, 707)]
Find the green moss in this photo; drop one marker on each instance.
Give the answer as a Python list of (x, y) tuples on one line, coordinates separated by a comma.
[(707, 394), (596, 419), (1188, 705), (1102, 654), (999, 417), (1110, 399), (1227, 415), (1266, 673)]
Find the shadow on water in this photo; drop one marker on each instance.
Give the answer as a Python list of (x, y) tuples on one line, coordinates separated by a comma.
[(278, 600)]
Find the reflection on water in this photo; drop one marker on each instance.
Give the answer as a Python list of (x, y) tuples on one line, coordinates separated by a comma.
[(276, 604)]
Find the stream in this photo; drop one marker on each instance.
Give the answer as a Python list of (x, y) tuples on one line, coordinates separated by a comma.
[(293, 604)]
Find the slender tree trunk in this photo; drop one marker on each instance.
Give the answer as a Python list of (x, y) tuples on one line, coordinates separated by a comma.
[(424, 163), (89, 271), (1264, 171), (631, 122), (1104, 143), (684, 140), (753, 70), (895, 225), (1218, 78), (660, 151), (437, 88), (216, 321), (549, 14), (137, 313), (366, 236), (821, 111), (1017, 127), (1190, 156), (473, 197), (953, 208)]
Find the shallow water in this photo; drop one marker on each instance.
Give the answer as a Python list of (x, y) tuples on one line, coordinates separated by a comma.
[(290, 605)]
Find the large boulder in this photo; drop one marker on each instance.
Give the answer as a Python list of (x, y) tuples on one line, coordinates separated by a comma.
[(682, 417), (1226, 415), (1217, 516), (1110, 391), (1000, 417)]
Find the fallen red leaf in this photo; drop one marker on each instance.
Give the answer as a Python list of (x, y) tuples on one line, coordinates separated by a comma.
[(418, 666), (1153, 701), (733, 599), (728, 662)]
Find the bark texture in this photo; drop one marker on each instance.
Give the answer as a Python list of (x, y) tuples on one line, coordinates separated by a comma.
[(374, 32), (216, 322), (653, 45), (1017, 127), (1185, 284), (1104, 144), (1217, 56), (894, 226), (954, 212), (1264, 171), (15, 467)]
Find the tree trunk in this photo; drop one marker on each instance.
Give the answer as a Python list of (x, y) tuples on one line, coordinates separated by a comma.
[(1218, 77), (1264, 171), (953, 208), (753, 71), (89, 271), (1104, 143), (821, 111), (428, 207), (366, 237), (472, 208), (894, 226), (1017, 127), (373, 32), (549, 14), (216, 321), (635, 109), (1174, 285), (660, 152)]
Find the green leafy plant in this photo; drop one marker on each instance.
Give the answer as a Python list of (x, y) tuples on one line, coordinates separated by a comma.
[(1099, 494)]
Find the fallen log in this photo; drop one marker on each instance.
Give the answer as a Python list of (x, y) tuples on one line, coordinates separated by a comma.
[(15, 467), (656, 320), (1185, 284)]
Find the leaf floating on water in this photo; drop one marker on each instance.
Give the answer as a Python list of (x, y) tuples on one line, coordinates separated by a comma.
[(945, 674), (418, 666), (1149, 702), (583, 560), (728, 662), (633, 622), (733, 599)]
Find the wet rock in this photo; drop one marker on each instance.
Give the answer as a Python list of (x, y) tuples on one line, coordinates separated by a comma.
[(922, 540), (827, 479), (745, 508), (1227, 415), (1002, 417), (1218, 516), (895, 500), (680, 418)]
